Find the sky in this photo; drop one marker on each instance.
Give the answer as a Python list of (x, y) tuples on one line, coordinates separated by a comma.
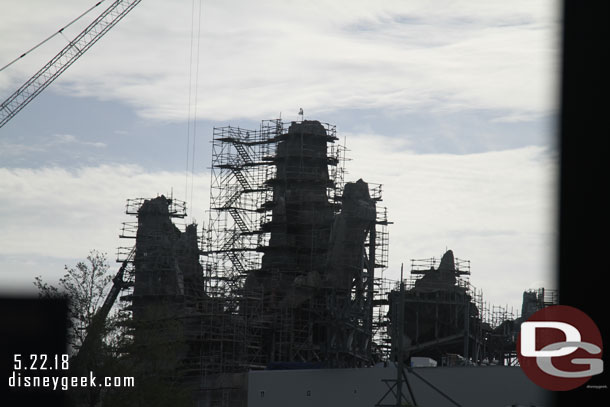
[(451, 105)]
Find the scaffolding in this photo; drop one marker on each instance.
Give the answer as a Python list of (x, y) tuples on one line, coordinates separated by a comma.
[(382, 335), (241, 196), (240, 168), (129, 231), (289, 274), (266, 301), (473, 331), (229, 326), (244, 216), (278, 286), (152, 248), (446, 316)]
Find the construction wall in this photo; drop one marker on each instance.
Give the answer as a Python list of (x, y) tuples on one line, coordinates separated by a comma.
[(469, 386)]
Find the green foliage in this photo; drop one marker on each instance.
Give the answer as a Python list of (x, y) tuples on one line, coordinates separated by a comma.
[(85, 287), (151, 362)]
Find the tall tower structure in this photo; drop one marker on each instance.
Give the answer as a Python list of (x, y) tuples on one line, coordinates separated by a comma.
[(301, 213)]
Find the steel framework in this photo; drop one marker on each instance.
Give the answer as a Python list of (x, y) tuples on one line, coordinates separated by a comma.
[(318, 297), (66, 57), (244, 175)]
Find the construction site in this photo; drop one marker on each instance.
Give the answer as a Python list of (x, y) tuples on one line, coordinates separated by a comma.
[(288, 274), (280, 297)]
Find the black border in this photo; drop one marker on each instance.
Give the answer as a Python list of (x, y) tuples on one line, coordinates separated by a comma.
[(584, 239)]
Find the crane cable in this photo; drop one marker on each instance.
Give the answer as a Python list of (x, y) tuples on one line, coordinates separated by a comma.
[(188, 120), (60, 31), (192, 106), (196, 101)]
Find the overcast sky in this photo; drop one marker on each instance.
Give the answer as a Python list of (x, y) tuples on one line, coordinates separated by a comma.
[(450, 104)]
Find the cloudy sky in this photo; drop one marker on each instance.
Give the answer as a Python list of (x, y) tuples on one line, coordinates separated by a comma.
[(450, 104)]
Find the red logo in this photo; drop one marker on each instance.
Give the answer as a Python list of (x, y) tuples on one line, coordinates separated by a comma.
[(560, 348)]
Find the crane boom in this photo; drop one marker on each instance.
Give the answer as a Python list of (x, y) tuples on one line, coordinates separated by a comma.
[(66, 57), (95, 330)]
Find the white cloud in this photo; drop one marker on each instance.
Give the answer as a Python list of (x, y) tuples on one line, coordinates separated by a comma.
[(10, 148), (72, 139), (496, 209), (257, 59), (58, 215)]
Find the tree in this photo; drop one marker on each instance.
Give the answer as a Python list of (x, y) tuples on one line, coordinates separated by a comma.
[(85, 286)]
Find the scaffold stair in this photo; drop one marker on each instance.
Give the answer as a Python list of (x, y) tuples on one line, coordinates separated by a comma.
[(241, 178), (243, 153), (239, 221)]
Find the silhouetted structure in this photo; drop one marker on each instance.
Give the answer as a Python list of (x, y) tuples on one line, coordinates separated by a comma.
[(291, 256), (289, 278), (279, 192), (440, 316), (446, 319)]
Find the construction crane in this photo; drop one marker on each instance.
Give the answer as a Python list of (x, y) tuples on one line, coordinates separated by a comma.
[(93, 338), (66, 57)]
